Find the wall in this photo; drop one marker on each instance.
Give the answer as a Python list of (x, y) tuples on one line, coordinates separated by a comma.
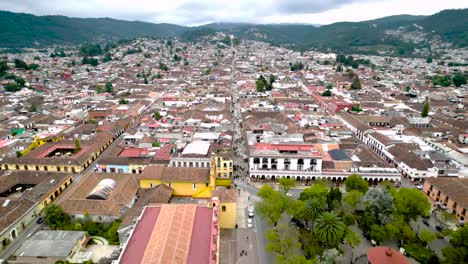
[(180, 188), (20, 225), (227, 219)]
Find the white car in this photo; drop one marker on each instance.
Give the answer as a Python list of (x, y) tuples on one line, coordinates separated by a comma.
[(419, 186), (250, 210), (249, 222)]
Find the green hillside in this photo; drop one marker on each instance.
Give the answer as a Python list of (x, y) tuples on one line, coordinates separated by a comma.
[(24, 30)]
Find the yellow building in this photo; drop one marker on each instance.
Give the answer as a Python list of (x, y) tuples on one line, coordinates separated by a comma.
[(227, 204), (189, 182), (59, 156), (223, 165)]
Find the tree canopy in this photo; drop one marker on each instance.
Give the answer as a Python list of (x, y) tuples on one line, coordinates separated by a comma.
[(20, 64), (380, 205), (411, 203), (329, 228), (356, 84), (317, 190), (459, 80), (356, 182), (286, 184), (458, 252), (425, 109)]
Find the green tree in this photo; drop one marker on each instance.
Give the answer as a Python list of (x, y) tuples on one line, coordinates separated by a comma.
[(123, 101), (378, 233), (327, 93), (284, 242), (458, 252), (3, 67), (11, 87), (91, 61), (329, 229), (273, 204), (77, 146), (297, 66), (356, 182), (313, 207), (425, 109), (90, 50), (351, 238), (380, 205), (459, 80), (429, 60), (442, 80), (156, 144), (426, 236), (99, 89), (163, 66), (20, 64), (19, 154), (32, 107), (334, 198), (109, 88), (55, 217), (411, 203), (286, 184), (261, 84), (157, 115), (353, 198), (34, 66), (20, 82), (356, 85), (339, 68), (317, 190), (407, 89)]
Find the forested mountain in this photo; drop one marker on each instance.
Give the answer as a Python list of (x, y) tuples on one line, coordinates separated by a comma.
[(400, 34), (24, 30)]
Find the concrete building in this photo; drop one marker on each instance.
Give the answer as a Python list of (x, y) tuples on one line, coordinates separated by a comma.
[(451, 193), (272, 161), (49, 246)]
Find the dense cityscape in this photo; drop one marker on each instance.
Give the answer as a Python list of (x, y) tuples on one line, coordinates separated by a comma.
[(225, 149)]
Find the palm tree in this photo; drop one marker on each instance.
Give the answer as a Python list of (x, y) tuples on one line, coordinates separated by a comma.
[(313, 208), (329, 229)]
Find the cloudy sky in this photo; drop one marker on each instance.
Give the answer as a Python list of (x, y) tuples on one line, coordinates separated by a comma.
[(196, 12)]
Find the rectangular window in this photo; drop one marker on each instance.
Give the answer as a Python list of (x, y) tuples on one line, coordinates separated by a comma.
[(194, 186), (223, 208)]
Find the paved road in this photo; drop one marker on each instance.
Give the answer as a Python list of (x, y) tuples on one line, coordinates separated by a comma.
[(260, 226), (32, 228)]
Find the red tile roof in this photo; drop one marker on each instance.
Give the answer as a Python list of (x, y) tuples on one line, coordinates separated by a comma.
[(385, 255), (171, 233), (136, 244)]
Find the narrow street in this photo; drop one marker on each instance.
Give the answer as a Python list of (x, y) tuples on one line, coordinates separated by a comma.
[(241, 176), (33, 227)]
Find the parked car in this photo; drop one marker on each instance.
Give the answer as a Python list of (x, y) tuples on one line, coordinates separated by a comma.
[(250, 210), (40, 220), (249, 222)]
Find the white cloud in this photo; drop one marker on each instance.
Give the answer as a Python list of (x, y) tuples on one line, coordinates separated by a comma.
[(195, 12)]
